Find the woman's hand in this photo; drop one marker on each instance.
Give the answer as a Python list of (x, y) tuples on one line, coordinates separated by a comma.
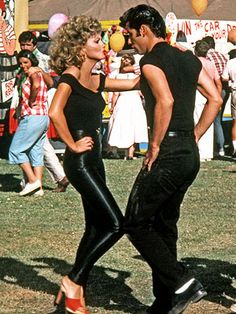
[(33, 70), (111, 110), (83, 145)]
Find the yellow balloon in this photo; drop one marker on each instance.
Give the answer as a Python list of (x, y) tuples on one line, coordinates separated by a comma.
[(199, 6), (117, 41)]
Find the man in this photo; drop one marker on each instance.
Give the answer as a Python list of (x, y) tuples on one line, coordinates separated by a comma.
[(220, 62), (229, 74), (169, 79), (28, 40), (206, 143)]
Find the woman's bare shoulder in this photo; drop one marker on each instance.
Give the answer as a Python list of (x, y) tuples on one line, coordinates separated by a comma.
[(74, 71)]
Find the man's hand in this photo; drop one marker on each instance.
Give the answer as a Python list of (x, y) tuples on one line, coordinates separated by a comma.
[(151, 156)]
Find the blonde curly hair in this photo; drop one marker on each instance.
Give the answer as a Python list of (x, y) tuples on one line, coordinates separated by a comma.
[(68, 41)]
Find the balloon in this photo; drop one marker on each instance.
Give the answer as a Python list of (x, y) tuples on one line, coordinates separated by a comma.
[(2, 6), (117, 41), (55, 21), (232, 36), (199, 6)]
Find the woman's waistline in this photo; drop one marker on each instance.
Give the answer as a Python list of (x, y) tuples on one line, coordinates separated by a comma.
[(78, 134)]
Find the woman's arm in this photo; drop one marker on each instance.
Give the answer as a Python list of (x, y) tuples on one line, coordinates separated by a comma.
[(113, 101), (56, 113), (35, 83), (119, 85)]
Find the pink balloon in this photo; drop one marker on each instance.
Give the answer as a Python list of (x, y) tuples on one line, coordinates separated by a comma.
[(55, 21)]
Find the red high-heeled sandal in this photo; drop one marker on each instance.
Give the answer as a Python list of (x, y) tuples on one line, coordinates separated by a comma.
[(72, 306)]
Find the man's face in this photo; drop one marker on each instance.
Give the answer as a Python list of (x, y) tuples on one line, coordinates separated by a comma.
[(28, 45), (136, 40)]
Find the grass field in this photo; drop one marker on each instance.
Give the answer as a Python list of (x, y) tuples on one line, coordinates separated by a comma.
[(39, 238)]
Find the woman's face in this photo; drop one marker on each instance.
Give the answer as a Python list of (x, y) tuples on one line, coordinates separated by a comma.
[(25, 64), (95, 48), (125, 61)]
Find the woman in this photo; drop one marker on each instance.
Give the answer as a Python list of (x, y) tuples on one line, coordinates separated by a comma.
[(128, 123), (76, 111), (26, 148)]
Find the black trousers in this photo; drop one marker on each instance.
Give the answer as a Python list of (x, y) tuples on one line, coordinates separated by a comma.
[(154, 207), (103, 218)]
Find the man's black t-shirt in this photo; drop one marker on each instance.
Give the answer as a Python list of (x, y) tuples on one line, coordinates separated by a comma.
[(181, 70)]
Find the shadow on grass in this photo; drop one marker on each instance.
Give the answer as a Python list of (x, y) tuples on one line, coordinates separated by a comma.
[(106, 289), (216, 276), (13, 271), (225, 158), (10, 182)]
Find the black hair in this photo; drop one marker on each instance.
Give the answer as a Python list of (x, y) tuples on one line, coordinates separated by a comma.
[(128, 56), (28, 36), (232, 54), (147, 15), (29, 55), (181, 37), (201, 48), (210, 41)]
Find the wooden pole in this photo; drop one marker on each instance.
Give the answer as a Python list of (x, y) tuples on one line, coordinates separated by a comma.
[(21, 18)]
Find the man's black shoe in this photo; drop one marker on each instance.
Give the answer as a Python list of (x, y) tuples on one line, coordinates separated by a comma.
[(194, 293), (159, 306)]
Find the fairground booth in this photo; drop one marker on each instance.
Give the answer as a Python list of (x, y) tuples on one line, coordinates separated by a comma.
[(195, 18)]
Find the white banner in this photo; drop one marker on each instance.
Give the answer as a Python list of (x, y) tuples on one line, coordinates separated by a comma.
[(197, 29)]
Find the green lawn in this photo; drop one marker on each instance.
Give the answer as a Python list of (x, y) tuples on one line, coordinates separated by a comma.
[(39, 238)]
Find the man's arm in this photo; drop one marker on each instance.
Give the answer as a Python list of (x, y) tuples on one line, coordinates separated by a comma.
[(212, 106), (162, 110)]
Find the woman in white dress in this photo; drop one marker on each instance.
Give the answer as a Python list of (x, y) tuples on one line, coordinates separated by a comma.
[(128, 124)]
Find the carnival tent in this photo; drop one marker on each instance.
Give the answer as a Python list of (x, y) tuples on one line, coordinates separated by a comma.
[(108, 10)]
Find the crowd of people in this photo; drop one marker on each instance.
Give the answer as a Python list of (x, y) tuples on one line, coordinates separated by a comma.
[(169, 81)]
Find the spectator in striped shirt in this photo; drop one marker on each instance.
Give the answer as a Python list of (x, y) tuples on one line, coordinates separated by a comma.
[(220, 61), (26, 149), (229, 75)]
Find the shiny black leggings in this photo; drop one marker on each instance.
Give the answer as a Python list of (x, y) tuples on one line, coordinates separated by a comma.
[(103, 218)]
